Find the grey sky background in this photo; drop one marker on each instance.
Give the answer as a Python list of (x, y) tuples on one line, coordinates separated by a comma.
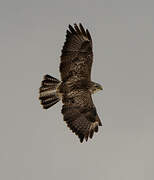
[(36, 144)]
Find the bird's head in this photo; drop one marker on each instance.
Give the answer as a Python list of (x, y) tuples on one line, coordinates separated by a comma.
[(95, 87)]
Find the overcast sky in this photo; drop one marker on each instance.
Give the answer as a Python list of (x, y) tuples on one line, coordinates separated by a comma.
[(36, 144)]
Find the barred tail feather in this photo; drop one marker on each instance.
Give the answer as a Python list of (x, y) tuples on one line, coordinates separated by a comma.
[(48, 91)]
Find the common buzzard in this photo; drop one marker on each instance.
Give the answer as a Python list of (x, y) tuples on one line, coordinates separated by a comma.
[(75, 88)]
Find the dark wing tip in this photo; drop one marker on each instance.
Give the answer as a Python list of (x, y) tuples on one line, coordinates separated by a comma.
[(68, 33), (82, 29), (78, 30), (85, 33), (81, 137), (72, 29), (96, 129), (88, 34), (91, 133)]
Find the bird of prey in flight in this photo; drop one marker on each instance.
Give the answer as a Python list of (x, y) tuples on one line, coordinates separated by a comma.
[(76, 87)]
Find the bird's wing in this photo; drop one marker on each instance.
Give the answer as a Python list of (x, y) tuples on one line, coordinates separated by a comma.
[(80, 114), (77, 55)]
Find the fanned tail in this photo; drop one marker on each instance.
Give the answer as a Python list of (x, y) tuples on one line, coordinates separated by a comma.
[(48, 94)]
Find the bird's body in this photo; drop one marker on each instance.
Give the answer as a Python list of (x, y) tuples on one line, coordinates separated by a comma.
[(75, 87)]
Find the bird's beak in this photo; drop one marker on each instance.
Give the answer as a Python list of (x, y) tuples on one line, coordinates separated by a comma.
[(101, 87)]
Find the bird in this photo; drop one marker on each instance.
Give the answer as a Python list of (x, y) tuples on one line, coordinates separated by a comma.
[(75, 88)]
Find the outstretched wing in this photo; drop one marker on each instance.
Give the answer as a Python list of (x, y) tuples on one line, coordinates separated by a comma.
[(80, 114), (77, 56)]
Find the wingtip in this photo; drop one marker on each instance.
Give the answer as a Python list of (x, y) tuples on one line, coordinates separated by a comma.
[(96, 129), (88, 34), (91, 133), (81, 139), (80, 24)]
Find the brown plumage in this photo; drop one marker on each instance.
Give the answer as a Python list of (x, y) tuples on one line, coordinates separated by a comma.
[(76, 87)]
